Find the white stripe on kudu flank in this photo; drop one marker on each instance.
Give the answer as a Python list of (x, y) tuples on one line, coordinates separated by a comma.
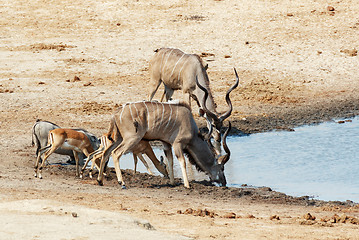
[(164, 65), (148, 114), (129, 106), (176, 65), (169, 120), (164, 53), (163, 112), (123, 108), (154, 115), (136, 109), (174, 122), (184, 63)]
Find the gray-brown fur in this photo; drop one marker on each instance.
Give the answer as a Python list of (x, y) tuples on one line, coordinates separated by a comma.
[(172, 124), (178, 71)]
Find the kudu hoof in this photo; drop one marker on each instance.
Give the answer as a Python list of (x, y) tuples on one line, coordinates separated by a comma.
[(123, 187), (100, 183)]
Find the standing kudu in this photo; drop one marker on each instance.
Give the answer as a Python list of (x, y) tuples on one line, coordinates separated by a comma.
[(179, 71), (174, 125)]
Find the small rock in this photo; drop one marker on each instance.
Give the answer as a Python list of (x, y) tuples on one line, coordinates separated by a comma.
[(76, 79), (74, 214), (227, 56), (230, 215), (290, 14), (330, 9), (308, 216), (274, 217)]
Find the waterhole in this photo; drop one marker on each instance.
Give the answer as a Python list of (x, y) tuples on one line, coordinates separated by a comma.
[(320, 161)]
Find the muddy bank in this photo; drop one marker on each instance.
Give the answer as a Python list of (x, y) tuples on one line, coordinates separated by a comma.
[(289, 117)]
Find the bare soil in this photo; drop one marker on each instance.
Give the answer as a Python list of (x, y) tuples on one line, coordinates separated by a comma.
[(72, 62)]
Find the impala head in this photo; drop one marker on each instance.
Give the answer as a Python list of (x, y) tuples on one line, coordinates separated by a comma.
[(216, 121), (217, 170)]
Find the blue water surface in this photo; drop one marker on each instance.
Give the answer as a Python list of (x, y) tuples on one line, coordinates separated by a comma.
[(320, 161)]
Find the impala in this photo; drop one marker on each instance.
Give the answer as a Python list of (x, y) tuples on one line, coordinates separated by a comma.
[(40, 133), (66, 139)]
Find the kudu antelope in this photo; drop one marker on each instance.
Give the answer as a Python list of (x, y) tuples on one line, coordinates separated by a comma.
[(179, 71), (64, 138), (174, 125), (143, 147)]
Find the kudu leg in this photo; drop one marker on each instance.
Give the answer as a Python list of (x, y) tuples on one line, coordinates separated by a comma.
[(105, 158), (180, 156), (135, 160), (161, 167), (169, 156), (140, 156), (117, 153), (154, 88)]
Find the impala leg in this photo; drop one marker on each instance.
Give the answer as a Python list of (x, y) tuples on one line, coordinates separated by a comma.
[(38, 158), (96, 161), (77, 163), (89, 157), (47, 154)]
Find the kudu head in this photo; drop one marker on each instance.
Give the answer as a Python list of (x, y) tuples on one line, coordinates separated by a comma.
[(217, 170), (216, 121)]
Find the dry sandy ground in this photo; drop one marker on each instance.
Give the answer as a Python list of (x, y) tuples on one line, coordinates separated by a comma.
[(297, 62)]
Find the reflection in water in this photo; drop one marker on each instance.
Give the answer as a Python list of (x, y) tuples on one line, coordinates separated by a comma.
[(321, 161)]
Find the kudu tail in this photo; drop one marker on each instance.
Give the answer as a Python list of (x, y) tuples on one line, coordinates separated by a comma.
[(111, 128), (113, 133), (34, 139)]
